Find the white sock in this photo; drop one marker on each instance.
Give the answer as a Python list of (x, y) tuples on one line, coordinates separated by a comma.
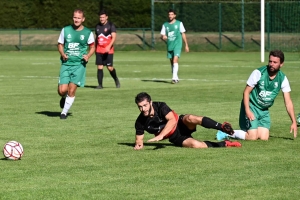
[(239, 134), (175, 71), (68, 104)]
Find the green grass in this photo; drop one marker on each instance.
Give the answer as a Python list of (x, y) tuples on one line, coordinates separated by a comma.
[(90, 155)]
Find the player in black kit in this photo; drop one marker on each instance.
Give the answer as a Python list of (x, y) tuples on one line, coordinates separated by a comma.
[(158, 119), (105, 37)]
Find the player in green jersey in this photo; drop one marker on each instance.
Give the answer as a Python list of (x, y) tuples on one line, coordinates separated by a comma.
[(262, 88), (73, 44), (173, 32)]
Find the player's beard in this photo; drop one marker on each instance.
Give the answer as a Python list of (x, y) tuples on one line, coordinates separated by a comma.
[(272, 70), (149, 111)]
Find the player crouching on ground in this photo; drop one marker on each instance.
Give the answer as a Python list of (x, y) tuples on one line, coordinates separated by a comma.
[(158, 119)]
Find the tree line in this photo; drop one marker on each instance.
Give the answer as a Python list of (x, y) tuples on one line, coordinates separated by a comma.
[(206, 16)]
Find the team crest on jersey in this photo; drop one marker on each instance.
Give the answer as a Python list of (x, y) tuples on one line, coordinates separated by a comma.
[(105, 29), (69, 36), (276, 85), (82, 37)]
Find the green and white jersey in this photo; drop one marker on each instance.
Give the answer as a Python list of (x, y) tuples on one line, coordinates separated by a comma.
[(173, 32), (76, 44), (266, 90)]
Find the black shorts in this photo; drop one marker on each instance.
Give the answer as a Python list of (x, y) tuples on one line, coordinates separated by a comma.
[(104, 59), (181, 133)]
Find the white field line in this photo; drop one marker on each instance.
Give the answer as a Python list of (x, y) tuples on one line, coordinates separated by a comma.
[(130, 79)]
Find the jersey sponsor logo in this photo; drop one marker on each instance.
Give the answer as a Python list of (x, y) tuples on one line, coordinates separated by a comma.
[(171, 36), (82, 37), (265, 95), (73, 45)]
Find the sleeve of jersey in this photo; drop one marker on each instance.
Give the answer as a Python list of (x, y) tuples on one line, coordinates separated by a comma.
[(285, 86), (163, 30), (113, 28), (165, 109), (254, 78), (139, 129), (182, 29), (91, 39), (61, 38)]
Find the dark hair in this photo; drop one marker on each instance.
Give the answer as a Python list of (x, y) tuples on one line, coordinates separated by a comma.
[(172, 10), (79, 11), (141, 97), (103, 12), (277, 53)]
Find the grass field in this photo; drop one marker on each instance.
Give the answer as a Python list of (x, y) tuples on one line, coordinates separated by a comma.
[(90, 155)]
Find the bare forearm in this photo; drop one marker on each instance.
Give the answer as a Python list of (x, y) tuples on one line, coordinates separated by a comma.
[(290, 110), (184, 39), (60, 48)]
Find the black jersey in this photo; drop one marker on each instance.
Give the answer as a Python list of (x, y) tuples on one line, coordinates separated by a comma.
[(155, 124), (104, 37)]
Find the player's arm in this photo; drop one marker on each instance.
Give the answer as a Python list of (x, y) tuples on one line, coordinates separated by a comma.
[(60, 48), (290, 110), (185, 42), (91, 43), (246, 100), (113, 39), (183, 35), (171, 123), (251, 83), (163, 33), (60, 45), (139, 142)]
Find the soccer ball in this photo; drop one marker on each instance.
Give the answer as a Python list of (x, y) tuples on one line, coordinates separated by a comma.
[(13, 150)]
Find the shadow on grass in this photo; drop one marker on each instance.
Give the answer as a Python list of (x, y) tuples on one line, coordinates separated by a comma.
[(90, 86), (51, 114), (9, 160), (155, 145), (286, 138), (156, 81)]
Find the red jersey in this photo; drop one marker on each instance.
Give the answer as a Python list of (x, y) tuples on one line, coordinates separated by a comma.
[(104, 37)]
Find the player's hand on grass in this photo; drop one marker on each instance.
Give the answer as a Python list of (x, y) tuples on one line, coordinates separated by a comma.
[(157, 138), (138, 146), (294, 129)]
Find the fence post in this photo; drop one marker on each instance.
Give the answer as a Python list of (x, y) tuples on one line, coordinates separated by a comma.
[(268, 27), (152, 24), (220, 26), (20, 40), (143, 39), (243, 25)]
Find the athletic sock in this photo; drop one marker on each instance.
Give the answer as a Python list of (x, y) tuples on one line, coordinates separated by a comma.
[(239, 134), (100, 76), (215, 144), (68, 104), (209, 123), (175, 71), (113, 74)]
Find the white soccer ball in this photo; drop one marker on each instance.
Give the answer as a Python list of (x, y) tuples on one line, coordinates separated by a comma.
[(13, 150)]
